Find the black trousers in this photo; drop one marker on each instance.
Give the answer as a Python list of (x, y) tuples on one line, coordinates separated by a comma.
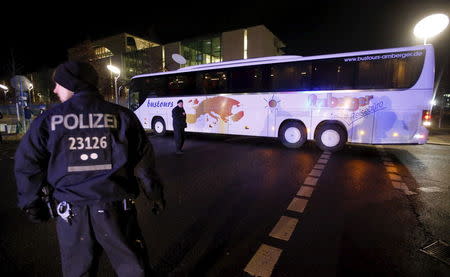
[(178, 134), (103, 226)]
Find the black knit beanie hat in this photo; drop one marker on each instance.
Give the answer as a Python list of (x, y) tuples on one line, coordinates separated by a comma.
[(76, 76)]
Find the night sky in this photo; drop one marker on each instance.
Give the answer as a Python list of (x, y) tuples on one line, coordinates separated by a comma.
[(39, 37)]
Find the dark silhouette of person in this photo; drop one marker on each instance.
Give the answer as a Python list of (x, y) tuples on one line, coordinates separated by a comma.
[(179, 123)]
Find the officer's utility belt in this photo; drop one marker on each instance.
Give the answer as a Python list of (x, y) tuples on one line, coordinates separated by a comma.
[(65, 209)]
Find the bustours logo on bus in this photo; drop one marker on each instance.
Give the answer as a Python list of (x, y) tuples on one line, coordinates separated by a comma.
[(160, 104), (349, 103)]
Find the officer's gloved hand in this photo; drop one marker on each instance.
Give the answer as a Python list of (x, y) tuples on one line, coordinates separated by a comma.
[(37, 212), (158, 206)]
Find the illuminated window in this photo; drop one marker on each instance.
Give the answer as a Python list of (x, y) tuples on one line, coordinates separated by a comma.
[(163, 59), (202, 50), (245, 44), (102, 52)]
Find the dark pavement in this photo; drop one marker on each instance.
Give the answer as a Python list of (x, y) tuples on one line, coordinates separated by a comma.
[(226, 194)]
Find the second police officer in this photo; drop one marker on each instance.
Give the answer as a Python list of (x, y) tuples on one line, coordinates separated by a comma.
[(90, 151)]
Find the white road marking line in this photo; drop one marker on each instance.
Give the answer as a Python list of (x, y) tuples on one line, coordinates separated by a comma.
[(298, 205), (431, 189), (408, 192), (393, 174), (305, 191), (391, 169), (319, 166), (315, 173), (264, 260), (284, 228), (310, 181), (394, 177), (402, 186), (398, 185), (322, 161)]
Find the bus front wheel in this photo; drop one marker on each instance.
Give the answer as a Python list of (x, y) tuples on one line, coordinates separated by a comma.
[(292, 134), (159, 126), (330, 137)]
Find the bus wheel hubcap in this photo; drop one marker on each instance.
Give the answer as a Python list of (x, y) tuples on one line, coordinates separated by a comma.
[(159, 127), (330, 138), (292, 135)]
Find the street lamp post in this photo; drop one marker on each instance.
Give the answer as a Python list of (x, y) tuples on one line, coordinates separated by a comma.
[(429, 27), (116, 71)]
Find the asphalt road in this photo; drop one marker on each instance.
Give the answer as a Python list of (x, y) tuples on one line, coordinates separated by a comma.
[(237, 205)]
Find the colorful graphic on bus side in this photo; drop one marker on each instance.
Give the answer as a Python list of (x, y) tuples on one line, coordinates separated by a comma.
[(216, 107), (351, 103)]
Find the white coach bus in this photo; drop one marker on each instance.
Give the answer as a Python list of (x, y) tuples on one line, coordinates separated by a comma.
[(373, 97)]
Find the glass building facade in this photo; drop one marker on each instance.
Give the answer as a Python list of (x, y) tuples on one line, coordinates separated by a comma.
[(202, 50), (136, 62)]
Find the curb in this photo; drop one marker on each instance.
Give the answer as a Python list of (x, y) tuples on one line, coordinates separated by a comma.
[(439, 143)]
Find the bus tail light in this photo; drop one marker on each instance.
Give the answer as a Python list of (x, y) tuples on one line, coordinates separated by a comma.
[(426, 118)]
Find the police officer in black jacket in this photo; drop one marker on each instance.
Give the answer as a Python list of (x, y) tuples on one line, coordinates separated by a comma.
[(93, 154), (179, 123)]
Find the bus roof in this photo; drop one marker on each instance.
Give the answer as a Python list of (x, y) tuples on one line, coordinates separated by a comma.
[(279, 59)]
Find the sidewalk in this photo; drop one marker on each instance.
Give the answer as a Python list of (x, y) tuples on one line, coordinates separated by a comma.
[(439, 136)]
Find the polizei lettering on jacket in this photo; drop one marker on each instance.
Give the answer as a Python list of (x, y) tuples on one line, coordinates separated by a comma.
[(84, 121)]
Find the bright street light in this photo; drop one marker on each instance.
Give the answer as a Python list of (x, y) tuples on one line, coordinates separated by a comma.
[(115, 70), (430, 26), (5, 90)]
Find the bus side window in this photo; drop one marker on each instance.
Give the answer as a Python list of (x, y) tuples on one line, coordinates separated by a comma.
[(333, 74), (181, 84), (156, 85), (323, 75), (247, 79), (374, 75), (290, 76), (213, 82), (387, 72), (199, 83), (345, 76)]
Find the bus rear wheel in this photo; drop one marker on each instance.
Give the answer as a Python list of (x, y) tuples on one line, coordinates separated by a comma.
[(159, 126), (330, 137), (292, 134)]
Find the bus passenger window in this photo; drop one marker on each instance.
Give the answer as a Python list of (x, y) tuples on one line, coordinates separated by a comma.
[(212, 82), (290, 76), (390, 71), (181, 84), (247, 79)]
